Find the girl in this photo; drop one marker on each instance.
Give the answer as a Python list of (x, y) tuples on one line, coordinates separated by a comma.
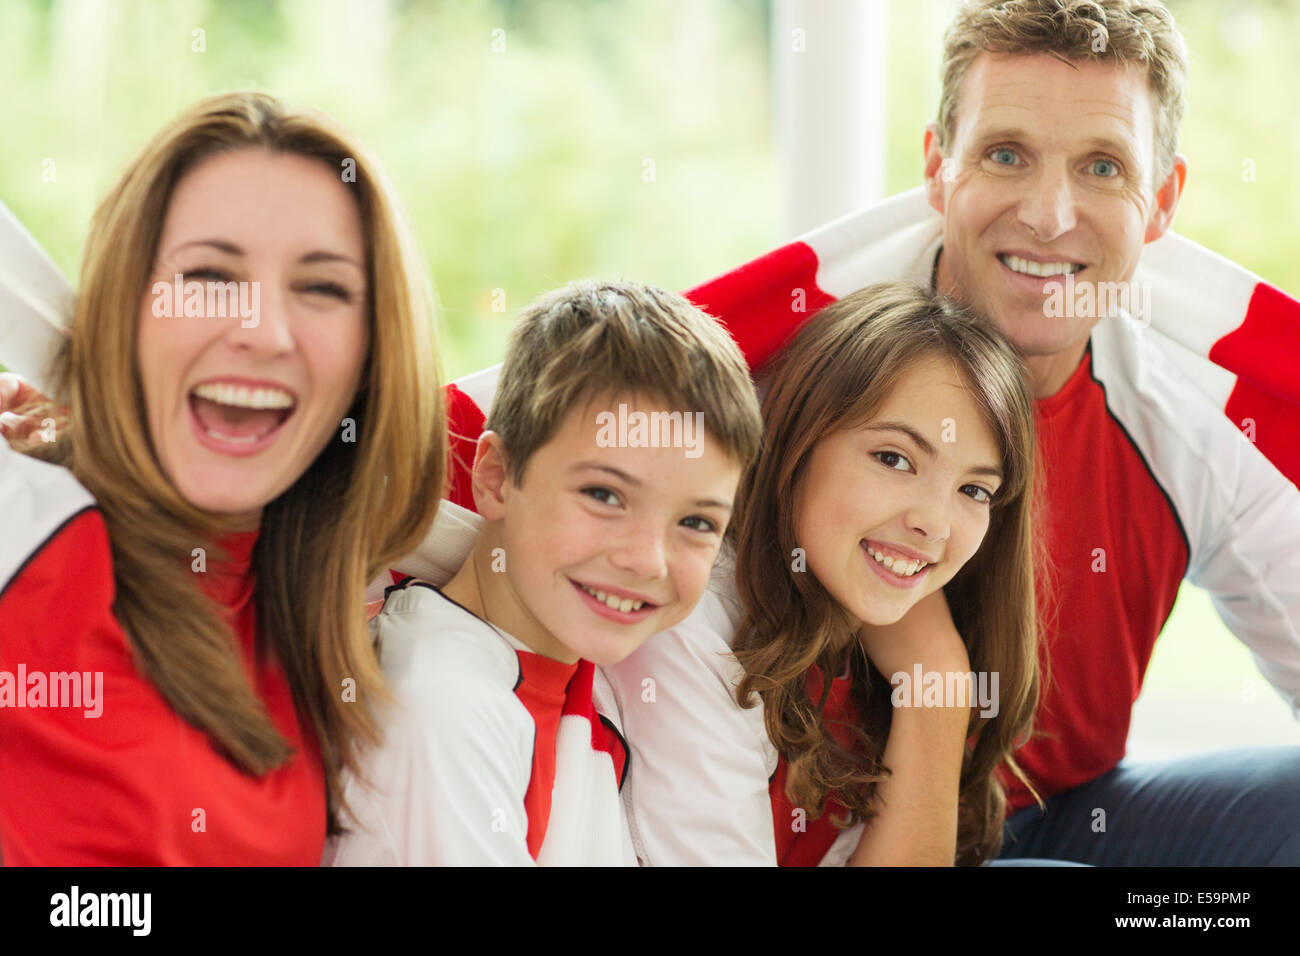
[(896, 468), (212, 469)]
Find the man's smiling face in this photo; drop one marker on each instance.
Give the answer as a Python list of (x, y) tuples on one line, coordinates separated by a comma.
[(1051, 169)]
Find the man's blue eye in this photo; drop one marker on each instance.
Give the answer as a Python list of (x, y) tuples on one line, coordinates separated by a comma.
[(1106, 164), (1004, 157)]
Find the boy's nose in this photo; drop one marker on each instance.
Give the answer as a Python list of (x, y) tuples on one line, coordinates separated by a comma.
[(641, 553)]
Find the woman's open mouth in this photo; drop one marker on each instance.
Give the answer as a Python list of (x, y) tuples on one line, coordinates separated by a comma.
[(239, 419)]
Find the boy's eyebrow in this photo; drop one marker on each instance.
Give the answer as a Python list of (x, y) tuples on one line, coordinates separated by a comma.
[(636, 483), (926, 447)]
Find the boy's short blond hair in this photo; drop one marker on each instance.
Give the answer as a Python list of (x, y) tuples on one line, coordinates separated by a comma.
[(1142, 32), (594, 340)]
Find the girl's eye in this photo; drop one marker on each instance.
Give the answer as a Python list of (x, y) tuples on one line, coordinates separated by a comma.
[(598, 492), (890, 459), (982, 495), (330, 288), (706, 526), (1104, 168), (1003, 156)]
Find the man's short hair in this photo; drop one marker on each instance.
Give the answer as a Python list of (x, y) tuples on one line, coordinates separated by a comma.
[(1124, 31), (594, 340)]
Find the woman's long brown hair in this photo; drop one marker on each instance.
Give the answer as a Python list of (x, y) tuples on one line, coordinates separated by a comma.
[(360, 505), (833, 375)]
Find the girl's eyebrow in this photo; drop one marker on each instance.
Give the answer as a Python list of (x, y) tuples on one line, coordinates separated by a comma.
[(926, 447), (907, 430)]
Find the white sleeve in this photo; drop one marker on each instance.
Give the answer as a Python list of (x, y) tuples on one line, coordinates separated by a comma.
[(1249, 561), (697, 790), (448, 782)]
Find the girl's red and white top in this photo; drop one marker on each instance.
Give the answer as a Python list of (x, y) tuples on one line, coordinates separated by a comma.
[(492, 755), (95, 766), (709, 785)]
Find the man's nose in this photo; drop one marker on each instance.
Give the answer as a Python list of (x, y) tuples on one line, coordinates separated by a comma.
[(1048, 210)]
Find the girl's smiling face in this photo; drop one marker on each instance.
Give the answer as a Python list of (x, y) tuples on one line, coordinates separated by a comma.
[(238, 406), (888, 511)]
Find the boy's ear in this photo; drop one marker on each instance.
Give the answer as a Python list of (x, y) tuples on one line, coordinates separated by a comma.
[(490, 475)]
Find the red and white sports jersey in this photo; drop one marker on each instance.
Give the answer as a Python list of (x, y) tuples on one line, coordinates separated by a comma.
[(492, 754), (1143, 457), (95, 766)]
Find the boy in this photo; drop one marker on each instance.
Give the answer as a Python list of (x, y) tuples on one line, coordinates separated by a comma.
[(623, 421)]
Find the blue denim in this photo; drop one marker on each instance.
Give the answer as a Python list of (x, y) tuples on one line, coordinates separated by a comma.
[(1228, 808)]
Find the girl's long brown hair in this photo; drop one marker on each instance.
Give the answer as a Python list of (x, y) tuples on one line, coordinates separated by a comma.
[(360, 505), (833, 375)]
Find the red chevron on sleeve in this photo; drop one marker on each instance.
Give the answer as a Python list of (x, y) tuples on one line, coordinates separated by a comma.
[(464, 425), (763, 302), (1263, 353)]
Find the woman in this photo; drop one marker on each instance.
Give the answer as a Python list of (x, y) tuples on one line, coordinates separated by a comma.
[(253, 431), (896, 468)]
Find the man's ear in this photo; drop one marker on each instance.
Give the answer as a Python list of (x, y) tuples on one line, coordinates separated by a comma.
[(1162, 213), (490, 475), (934, 167)]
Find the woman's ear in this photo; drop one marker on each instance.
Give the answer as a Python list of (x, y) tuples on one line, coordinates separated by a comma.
[(491, 473)]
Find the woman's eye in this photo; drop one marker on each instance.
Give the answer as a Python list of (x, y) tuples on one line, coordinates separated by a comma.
[(1104, 168), (1003, 156), (982, 495), (209, 275), (890, 459), (600, 493), (330, 288), (704, 524)]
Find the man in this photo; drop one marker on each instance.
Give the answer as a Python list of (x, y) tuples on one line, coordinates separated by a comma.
[(1053, 166)]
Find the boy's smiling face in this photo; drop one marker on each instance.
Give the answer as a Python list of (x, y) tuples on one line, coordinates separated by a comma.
[(590, 525)]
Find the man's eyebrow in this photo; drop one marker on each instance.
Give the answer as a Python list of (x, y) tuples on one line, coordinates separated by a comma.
[(995, 134), (636, 483), (224, 245)]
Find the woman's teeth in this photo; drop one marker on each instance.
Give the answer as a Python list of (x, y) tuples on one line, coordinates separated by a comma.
[(1040, 269), (899, 566), (241, 396), (618, 604)]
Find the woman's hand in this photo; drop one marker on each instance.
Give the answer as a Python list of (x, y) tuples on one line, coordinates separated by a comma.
[(925, 635), (15, 394)]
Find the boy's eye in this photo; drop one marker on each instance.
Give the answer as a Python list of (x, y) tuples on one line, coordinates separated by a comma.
[(703, 524), (982, 495), (599, 494), (891, 460)]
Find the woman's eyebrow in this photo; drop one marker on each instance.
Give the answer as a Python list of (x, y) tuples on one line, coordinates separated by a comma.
[(219, 244), (223, 245)]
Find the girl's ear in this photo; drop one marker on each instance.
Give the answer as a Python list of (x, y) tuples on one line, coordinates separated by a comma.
[(491, 472)]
